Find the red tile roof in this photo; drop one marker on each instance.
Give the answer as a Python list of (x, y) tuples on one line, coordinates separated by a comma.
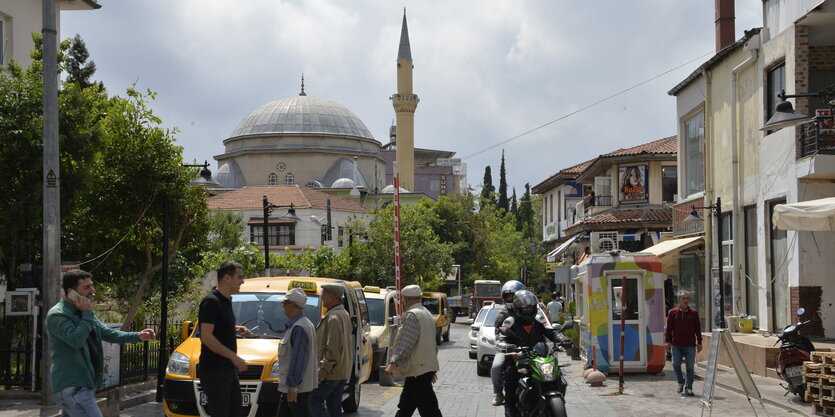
[(660, 215), (576, 169), (249, 198), (660, 146)]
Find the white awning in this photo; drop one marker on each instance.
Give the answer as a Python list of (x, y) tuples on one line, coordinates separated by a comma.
[(673, 245), (812, 215), (552, 256)]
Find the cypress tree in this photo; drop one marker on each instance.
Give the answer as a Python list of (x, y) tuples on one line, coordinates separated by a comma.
[(514, 204), (503, 202), (487, 188)]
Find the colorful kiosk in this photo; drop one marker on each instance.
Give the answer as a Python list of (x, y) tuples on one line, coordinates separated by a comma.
[(599, 288)]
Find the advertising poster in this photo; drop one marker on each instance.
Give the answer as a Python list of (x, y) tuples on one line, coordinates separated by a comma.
[(634, 184)]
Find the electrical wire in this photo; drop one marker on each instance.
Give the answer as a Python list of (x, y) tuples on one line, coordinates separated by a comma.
[(584, 107)]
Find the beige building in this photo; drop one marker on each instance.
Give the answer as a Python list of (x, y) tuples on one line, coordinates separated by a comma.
[(19, 18)]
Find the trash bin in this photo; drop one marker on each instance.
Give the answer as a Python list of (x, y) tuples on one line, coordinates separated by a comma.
[(733, 323), (746, 325)]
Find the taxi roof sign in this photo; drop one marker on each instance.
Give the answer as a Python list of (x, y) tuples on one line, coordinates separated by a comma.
[(371, 288), (306, 286)]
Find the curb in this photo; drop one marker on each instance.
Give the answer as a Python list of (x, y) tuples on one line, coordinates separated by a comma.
[(737, 390), (137, 399)]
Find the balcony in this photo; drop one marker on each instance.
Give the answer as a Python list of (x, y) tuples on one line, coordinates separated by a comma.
[(815, 152), (597, 201)]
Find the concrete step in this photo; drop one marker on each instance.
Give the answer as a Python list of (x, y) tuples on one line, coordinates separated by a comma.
[(137, 398)]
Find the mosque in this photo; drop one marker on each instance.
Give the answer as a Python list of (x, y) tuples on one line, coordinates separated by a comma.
[(320, 144)]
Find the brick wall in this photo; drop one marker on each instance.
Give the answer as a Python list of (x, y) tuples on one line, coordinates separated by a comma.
[(801, 67), (822, 58)]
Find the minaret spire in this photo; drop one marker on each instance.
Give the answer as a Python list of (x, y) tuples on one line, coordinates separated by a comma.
[(405, 51), (405, 103), (302, 93)]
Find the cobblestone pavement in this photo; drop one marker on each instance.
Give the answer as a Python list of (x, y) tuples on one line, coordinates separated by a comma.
[(461, 393)]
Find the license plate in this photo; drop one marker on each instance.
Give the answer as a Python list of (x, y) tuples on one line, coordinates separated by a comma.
[(203, 399), (794, 371), (245, 400)]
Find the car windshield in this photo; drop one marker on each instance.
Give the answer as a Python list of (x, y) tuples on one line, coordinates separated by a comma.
[(490, 319), (377, 310), (431, 304), (264, 315), (488, 291)]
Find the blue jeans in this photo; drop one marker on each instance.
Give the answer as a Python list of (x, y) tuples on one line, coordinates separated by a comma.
[(496, 372), (689, 355), (326, 400), (77, 402)]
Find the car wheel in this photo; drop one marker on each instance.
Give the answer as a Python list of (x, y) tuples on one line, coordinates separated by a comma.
[(481, 370), (352, 403), (438, 337), (473, 355)]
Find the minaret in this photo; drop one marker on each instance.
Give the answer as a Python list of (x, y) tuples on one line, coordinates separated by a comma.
[(405, 102)]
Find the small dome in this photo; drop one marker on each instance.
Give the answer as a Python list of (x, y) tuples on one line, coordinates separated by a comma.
[(343, 183), (229, 175), (389, 189)]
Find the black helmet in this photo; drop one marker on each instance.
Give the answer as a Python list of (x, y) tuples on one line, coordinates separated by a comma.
[(524, 303), (510, 288)]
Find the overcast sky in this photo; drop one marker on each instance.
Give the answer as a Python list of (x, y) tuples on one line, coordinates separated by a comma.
[(485, 70)]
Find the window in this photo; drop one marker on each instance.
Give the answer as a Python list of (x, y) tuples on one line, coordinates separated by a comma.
[(272, 179), (363, 306), (289, 179), (727, 260), (340, 236), (283, 234), (780, 305), (669, 183), (603, 191), (313, 184), (435, 186), (775, 83), (2, 40), (752, 282), (694, 158)]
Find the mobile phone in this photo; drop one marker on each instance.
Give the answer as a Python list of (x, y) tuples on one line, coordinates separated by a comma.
[(74, 296)]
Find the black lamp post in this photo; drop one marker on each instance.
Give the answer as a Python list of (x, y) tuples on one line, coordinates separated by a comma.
[(205, 180), (716, 209), (268, 209), (785, 115)]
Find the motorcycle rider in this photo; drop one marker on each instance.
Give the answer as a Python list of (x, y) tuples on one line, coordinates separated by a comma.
[(508, 290), (528, 328)]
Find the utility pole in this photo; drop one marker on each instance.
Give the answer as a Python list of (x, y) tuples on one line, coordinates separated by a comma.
[(51, 183)]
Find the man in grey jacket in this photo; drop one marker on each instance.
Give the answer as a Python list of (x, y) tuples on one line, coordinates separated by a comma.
[(297, 375), (333, 348)]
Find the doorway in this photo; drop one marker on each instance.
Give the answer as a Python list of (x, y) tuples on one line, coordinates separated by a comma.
[(635, 333)]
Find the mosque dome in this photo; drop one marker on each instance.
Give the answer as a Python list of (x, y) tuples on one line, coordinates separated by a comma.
[(304, 115), (389, 189), (343, 183)]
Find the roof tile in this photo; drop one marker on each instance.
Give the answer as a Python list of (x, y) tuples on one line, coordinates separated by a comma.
[(248, 198), (660, 146)]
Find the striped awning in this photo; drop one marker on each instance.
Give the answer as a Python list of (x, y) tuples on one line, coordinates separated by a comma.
[(552, 256)]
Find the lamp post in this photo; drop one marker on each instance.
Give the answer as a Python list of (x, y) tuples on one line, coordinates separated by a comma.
[(716, 210), (786, 116), (268, 209), (204, 180)]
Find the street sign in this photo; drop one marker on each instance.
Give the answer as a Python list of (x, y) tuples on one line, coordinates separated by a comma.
[(723, 337)]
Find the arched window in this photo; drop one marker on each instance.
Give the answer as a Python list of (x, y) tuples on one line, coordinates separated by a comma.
[(313, 184), (289, 179), (272, 179)]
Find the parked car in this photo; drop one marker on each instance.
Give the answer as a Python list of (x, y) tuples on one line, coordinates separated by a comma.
[(474, 328), (381, 309), (438, 306), (486, 340)]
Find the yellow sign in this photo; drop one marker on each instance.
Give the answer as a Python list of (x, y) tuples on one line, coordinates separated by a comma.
[(371, 288), (550, 267), (306, 286)]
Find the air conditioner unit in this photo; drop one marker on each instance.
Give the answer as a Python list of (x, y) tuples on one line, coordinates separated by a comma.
[(604, 241)]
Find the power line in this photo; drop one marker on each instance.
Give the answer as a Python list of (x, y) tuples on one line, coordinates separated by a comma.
[(583, 108)]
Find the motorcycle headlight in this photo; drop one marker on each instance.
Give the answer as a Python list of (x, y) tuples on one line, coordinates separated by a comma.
[(178, 364), (547, 371), (274, 370)]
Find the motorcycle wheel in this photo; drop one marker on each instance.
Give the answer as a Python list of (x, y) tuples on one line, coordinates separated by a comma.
[(556, 407)]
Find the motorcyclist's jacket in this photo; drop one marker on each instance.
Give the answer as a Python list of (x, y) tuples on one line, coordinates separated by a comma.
[(528, 332)]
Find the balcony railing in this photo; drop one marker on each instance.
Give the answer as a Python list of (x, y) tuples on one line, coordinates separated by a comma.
[(813, 140), (597, 200)]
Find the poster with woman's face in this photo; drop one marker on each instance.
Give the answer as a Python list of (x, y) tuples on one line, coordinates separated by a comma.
[(634, 184)]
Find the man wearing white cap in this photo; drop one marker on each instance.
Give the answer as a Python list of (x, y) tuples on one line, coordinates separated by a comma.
[(416, 357), (296, 358)]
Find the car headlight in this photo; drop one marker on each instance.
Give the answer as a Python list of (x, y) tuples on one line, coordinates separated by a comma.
[(178, 364), (274, 370), (547, 371)]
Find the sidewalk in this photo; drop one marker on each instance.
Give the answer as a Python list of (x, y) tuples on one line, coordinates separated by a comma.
[(770, 390)]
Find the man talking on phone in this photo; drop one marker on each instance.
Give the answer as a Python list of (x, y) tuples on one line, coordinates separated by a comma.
[(75, 336)]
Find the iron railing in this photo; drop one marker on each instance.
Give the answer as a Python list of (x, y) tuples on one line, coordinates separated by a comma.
[(813, 140)]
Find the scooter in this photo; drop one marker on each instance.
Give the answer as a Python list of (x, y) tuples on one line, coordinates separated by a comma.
[(794, 350), (542, 385)]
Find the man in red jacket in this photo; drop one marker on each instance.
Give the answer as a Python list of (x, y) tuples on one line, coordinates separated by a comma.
[(684, 337)]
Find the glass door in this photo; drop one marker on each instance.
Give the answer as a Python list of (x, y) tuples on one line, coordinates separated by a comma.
[(634, 350)]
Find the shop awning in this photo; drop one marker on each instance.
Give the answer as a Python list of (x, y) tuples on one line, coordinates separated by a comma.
[(812, 215), (552, 256), (669, 246)]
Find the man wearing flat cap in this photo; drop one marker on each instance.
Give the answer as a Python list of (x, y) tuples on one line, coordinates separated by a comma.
[(333, 351), (416, 357), (297, 375)]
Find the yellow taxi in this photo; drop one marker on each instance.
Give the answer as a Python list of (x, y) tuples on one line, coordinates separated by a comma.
[(258, 307), (382, 309), (438, 306)]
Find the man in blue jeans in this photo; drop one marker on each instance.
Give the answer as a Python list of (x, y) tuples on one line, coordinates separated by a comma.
[(684, 337), (75, 336), (496, 371)]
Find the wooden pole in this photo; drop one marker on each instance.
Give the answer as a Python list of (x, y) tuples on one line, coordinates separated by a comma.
[(398, 278), (622, 330)]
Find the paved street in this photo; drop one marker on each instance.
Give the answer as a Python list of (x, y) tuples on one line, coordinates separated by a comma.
[(462, 393)]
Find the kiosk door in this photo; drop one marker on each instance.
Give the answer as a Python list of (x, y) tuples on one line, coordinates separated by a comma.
[(634, 354)]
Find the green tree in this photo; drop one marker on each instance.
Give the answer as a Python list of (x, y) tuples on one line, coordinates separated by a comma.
[(514, 203), (225, 230), (503, 202), (488, 191), (525, 218), (79, 69)]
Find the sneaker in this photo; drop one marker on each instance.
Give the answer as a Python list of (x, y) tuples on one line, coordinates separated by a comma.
[(688, 392), (680, 388), (499, 400)]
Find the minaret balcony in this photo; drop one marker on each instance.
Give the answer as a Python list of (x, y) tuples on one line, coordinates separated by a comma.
[(405, 102)]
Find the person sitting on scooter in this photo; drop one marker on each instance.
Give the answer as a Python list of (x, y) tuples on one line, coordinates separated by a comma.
[(508, 290), (527, 329)]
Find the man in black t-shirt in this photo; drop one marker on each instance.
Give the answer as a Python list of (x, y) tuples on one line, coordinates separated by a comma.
[(219, 361)]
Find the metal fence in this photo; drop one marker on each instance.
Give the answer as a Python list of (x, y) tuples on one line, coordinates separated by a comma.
[(814, 140)]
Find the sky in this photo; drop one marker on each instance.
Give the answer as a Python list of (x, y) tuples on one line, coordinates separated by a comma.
[(485, 70)]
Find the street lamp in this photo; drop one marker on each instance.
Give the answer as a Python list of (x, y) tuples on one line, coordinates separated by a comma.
[(786, 115), (716, 210), (268, 209), (204, 180)]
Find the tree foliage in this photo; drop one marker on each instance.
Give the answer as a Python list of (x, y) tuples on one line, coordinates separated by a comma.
[(503, 202), (488, 190)]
